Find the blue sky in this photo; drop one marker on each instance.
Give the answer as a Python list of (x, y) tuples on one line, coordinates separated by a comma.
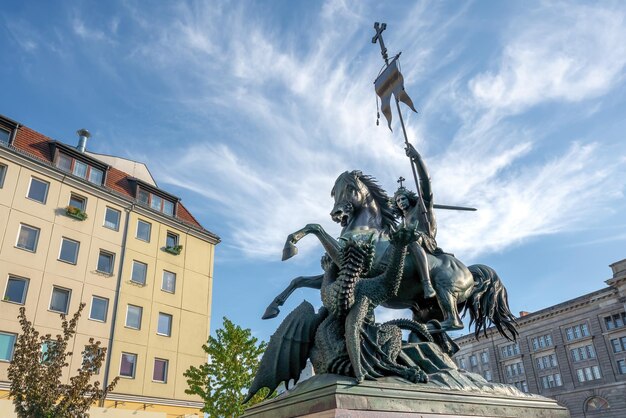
[(249, 111)]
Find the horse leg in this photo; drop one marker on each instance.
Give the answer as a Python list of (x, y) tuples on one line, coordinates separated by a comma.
[(313, 282), (330, 244), (447, 304)]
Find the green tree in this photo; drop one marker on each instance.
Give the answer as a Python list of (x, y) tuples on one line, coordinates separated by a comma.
[(222, 382), (37, 366)]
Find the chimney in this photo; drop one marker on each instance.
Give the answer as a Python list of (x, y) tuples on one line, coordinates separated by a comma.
[(83, 136), (523, 313)]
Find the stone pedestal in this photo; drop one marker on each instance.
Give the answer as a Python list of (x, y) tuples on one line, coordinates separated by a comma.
[(326, 396)]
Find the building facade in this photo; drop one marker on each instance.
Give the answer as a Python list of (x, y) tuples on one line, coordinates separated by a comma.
[(574, 352), (78, 227)]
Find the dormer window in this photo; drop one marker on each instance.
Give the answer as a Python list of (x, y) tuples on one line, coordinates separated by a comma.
[(7, 128), (155, 202), (80, 169), (5, 135)]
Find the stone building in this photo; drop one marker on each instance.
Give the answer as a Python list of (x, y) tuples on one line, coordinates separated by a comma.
[(78, 227), (574, 352)]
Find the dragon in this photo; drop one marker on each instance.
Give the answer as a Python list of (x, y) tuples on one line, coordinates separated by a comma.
[(343, 337)]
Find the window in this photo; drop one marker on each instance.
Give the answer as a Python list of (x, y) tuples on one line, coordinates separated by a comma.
[(618, 344), (46, 347), (80, 169), (88, 360), (583, 353), (143, 230), (576, 332), (99, 308), (487, 375), (5, 135), (169, 282), (38, 190), (621, 365), (16, 290), (168, 207), (95, 175), (586, 374), (112, 219), (155, 202), (510, 350), (133, 316), (515, 369), (542, 342), (3, 172), (105, 262), (60, 300), (27, 238), (138, 274), (596, 403), (164, 326), (78, 202), (615, 321), (473, 360), (545, 362), (171, 240), (484, 357), (127, 365), (160, 370), (69, 250), (64, 163), (7, 343), (462, 363), (521, 385), (551, 380)]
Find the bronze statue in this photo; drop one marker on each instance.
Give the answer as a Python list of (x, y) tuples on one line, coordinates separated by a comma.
[(366, 267), (417, 213), (386, 255)]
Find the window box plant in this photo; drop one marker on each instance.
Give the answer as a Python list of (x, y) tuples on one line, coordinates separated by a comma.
[(175, 250), (76, 213)]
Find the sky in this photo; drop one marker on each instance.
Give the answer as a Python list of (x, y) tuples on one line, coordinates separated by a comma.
[(249, 110)]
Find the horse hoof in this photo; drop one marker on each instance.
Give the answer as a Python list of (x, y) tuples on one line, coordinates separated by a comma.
[(289, 251), (271, 312)]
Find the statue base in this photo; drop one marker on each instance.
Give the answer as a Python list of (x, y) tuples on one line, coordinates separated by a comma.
[(450, 393)]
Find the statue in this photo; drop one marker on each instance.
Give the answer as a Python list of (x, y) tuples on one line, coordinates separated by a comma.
[(416, 213), (386, 255), (366, 267)]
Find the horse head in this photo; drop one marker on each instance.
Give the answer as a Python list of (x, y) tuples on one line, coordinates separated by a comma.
[(357, 196), (350, 195)]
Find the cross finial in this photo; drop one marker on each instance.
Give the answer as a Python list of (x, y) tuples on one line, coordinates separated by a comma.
[(400, 180), (380, 27)]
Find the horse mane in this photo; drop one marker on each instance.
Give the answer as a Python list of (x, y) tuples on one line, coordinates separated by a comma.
[(388, 220)]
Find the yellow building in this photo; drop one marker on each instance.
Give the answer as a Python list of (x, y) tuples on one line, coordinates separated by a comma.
[(81, 227)]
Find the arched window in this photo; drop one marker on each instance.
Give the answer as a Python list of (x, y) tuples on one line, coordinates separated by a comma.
[(596, 403)]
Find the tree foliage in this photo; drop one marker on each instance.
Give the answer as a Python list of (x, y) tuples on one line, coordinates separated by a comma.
[(233, 361), (35, 375)]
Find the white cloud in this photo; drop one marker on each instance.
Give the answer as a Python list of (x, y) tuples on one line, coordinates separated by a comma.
[(294, 113), (559, 52)]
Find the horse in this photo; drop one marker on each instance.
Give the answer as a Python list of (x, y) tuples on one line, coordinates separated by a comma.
[(362, 207)]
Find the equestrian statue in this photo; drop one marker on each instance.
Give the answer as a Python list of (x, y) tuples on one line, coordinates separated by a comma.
[(386, 255)]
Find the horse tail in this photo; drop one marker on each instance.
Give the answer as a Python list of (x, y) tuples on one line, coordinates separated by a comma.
[(488, 303)]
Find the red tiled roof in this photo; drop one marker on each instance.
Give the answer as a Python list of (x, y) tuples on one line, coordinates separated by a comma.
[(33, 143), (37, 145)]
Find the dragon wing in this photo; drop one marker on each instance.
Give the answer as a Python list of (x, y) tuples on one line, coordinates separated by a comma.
[(288, 350)]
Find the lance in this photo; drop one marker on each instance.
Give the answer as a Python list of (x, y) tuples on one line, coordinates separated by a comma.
[(390, 82)]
